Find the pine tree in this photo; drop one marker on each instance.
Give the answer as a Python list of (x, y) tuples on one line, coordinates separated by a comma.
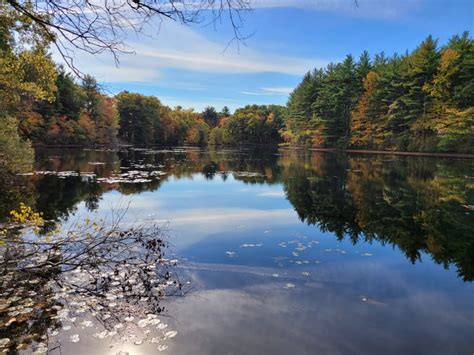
[(365, 132), (421, 66)]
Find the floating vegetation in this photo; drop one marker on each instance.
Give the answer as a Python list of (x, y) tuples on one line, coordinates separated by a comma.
[(95, 275), (171, 334), (372, 301), (247, 174), (158, 151), (135, 174), (149, 166), (132, 177), (301, 247), (251, 245), (162, 347), (61, 174)]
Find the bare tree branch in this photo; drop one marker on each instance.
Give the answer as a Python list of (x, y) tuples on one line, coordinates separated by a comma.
[(98, 26)]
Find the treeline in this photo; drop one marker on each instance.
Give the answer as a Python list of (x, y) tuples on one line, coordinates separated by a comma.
[(419, 101), (252, 124), (145, 121), (78, 114)]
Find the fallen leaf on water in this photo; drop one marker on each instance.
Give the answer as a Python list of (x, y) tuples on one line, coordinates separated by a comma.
[(171, 334)]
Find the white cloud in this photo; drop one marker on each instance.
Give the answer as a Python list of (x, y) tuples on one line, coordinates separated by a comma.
[(279, 90), (278, 194), (228, 216), (213, 60), (205, 222), (180, 47), (124, 73), (362, 8), (256, 93), (268, 91)]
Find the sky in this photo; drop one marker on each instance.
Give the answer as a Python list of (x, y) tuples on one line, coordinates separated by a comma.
[(194, 67)]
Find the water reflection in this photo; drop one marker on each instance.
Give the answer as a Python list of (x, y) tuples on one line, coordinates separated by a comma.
[(419, 205), (288, 252)]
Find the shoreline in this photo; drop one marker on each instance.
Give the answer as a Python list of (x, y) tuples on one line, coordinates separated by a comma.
[(394, 152), (323, 150)]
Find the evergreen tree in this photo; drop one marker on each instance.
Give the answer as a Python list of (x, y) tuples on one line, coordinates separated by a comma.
[(421, 101), (210, 116), (139, 117)]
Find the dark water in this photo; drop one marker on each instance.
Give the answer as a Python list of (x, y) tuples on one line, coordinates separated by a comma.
[(281, 252)]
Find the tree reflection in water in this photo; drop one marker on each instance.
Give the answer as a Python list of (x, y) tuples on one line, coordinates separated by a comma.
[(410, 203), (93, 275)]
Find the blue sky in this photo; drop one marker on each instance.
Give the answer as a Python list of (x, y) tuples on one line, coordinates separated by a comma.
[(190, 65)]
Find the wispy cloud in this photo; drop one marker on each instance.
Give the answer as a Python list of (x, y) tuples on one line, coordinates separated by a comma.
[(278, 194), (205, 222), (385, 9), (214, 61), (279, 90), (255, 93), (268, 91), (199, 54)]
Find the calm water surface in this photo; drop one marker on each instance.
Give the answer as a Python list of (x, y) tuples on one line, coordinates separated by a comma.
[(281, 252)]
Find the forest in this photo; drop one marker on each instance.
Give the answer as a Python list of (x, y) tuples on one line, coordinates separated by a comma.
[(420, 101)]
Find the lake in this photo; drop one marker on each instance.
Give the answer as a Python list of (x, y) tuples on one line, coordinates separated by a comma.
[(276, 252)]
